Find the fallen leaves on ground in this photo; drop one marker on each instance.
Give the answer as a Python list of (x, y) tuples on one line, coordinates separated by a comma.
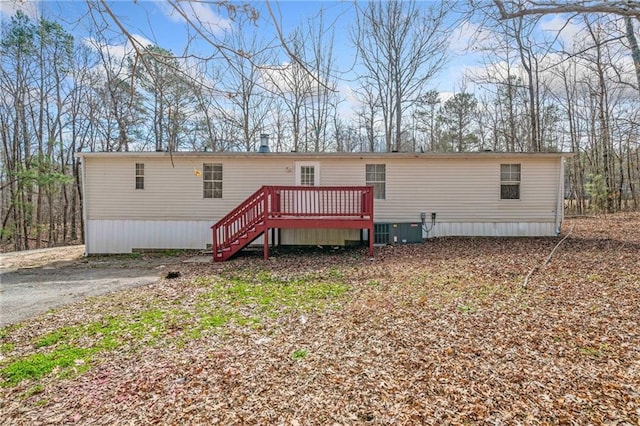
[(437, 333)]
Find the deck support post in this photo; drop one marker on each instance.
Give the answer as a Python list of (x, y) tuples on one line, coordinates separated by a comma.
[(371, 241), (266, 243)]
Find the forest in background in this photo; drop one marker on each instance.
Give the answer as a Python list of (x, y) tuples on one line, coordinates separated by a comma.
[(533, 92)]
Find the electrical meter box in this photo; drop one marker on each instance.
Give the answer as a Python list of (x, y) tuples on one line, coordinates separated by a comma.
[(398, 233)]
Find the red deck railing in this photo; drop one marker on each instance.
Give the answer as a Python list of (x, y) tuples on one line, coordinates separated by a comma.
[(293, 207), (247, 215), (320, 202)]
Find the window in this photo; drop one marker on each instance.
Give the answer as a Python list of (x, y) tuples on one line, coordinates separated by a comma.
[(307, 175), (212, 180), (509, 181), (376, 176), (139, 176)]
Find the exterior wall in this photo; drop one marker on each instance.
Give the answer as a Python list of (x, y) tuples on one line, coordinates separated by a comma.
[(170, 212), (123, 236), (492, 229), (171, 192), (464, 191)]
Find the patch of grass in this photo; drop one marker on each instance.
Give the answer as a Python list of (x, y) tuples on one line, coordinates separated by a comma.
[(242, 300), (7, 347), (34, 390), (247, 321), (208, 321), (335, 273), (590, 351), (299, 354), (217, 319), (147, 326), (466, 308), (51, 338), (72, 347), (270, 295), (38, 365)]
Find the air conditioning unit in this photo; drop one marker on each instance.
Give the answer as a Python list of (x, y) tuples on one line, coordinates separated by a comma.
[(397, 233)]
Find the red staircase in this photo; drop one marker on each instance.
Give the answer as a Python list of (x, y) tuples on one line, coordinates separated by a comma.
[(272, 207)]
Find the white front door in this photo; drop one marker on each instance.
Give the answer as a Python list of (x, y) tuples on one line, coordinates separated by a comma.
[(307, 174)]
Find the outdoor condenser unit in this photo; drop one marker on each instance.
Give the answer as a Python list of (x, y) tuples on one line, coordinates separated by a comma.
[(397, 233)]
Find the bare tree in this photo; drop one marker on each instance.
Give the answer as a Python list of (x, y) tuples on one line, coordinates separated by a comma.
[(323, 96), (241, 80), (293, 84), (517, 9), (401, 47), (426, 114), (367, 115)]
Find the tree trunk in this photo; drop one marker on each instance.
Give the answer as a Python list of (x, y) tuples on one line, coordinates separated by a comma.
[(633, 44)]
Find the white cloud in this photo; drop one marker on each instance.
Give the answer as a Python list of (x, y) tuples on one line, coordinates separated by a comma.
[(290, 78), (467, 37), (9, 8), (200, 14), (119, 51), (348, 109), (115, 54), (567, 31)]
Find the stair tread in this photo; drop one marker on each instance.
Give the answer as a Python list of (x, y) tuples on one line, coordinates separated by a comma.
[(229, 248)]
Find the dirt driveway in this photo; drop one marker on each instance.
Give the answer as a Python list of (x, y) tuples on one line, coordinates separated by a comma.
[(35, 281)]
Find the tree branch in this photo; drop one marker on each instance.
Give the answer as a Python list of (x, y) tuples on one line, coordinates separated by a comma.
[(621, 8)]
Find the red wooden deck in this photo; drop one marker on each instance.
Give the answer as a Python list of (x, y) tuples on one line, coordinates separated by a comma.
[(281, 207)]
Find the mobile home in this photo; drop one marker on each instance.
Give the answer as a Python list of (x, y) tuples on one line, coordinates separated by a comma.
[(159, 200)]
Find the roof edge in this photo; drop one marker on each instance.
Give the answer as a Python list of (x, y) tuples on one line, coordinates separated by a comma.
[(313, 155)]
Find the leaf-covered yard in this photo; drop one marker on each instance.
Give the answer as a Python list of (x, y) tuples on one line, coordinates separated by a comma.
[(442, 332)]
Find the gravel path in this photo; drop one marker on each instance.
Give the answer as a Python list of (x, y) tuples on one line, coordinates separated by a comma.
[(35, 281)]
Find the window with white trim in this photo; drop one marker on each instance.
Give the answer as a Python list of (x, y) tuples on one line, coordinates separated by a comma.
[(139, 175), (376, 176), (510, 181), (212, 180)]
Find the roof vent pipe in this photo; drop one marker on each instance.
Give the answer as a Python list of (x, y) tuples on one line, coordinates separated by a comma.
[(264, 142)]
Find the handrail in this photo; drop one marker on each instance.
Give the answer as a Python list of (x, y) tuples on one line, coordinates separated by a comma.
[(301, 202), (320, 201), (248, 214)]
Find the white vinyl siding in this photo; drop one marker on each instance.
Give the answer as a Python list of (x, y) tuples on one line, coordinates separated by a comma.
[(124, 236), (176, 193), (463, 192), (460, 190), (455, 189)]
